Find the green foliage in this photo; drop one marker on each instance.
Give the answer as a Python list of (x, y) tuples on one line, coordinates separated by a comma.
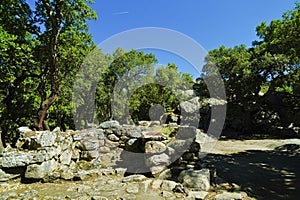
[(166, 90), (262, 82), (41, 52)]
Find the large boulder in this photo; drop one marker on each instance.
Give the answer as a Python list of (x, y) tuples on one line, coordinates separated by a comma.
[(110, 124), (36, 171), (20, 159), (190, 114), (5, 176), (40, 139), (199, 180), (160, 159)]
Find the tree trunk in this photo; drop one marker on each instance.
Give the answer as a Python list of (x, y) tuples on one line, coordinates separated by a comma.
[(43, 111)]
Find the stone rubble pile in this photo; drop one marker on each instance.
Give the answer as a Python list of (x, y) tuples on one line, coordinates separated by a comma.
[(112, 150)]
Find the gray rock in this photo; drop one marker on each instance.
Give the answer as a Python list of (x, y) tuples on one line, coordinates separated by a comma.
[(168, 185), (180, 146), (52, 177), (111, 144), (155, 160), (66, 143), (19, 159), (65, 157), (155, 147), (110, 124), (144, 186), (186, 132), (156, 170), (156, 184), (197, 194), (132, 132), (104, 149), (166, 174), (5, 176), (113, 137), (167, 194), (36, 171), (190, 106), (199, 180), (9, 195), (84, 175), (89, 145), (132, 188), (41, 139), (229, 196), (133, 178)]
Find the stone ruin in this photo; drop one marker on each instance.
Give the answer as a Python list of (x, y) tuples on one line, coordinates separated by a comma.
[(80, 155)]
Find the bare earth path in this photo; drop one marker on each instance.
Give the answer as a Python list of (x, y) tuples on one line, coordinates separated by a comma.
[(265, 169)]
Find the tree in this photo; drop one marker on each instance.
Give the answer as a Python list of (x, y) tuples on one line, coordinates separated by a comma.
[(18, 72), (127, 71), (166, 90), (64, 24), (262, 82)]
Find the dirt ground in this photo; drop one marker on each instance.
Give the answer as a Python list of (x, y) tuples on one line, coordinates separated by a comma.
[(265, 169)]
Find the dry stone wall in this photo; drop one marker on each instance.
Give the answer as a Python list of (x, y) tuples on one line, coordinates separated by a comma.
[(79, 155)]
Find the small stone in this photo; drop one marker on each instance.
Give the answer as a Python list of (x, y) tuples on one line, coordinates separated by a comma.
[(104, 149), (198, 194), (113, 138), (5, 177), (132, 178), (129, 196), (65, 157), (134, 132), (158, 160), (145, 185), (229, 196), (167, 194), (168, 185), (132, 188), (110, 124), (156, 170), (199, 180), (111, 144), (166, 174), (156, 184), (90, 145)]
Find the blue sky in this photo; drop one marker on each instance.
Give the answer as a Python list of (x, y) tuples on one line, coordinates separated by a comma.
[(211, 23)]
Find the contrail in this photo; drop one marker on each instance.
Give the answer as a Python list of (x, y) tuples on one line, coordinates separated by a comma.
[(121, 13)]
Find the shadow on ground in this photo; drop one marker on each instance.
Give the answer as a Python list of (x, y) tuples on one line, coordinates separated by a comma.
[(262, 174)]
